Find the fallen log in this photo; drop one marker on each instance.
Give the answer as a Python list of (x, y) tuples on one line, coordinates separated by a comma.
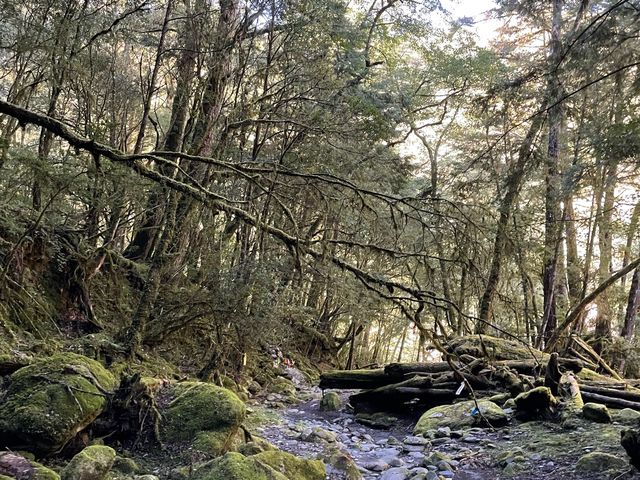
[(527, 367), (356, 379), (610, 401), (614, 393)]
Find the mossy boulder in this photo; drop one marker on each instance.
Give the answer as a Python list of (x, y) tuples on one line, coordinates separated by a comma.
[(600, 462), (330, 402), (235, 466), (291, 466), (596, 412), (536, 401), (283, 386), (627, 416), (50, 401), (92, 463), (268, 465), (461, 415), (378, 420), (204, 415)]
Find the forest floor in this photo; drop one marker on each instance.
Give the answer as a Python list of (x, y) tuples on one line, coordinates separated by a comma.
[(537, 450)]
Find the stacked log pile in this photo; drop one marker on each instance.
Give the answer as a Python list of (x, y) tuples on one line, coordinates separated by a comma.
[(481, 367)]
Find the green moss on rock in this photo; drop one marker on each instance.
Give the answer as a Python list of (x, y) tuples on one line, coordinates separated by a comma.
[(596, 412), (291, 466), (600, 462), (51, 400), (535, 401), (235, 466), (330, 402), (461, 415), (283, 386), (202, 413), (92, 463)]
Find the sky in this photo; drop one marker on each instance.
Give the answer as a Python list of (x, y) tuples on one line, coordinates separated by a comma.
[(476, 9)]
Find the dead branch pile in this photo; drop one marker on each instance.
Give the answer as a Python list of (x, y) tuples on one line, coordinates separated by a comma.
[(482, 367)]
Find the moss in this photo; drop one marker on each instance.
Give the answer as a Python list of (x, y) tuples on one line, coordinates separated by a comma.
[(255, 446), (92, 463), (461, 415), (292, 466), (44, 473), (496, 348), (203, 413), (330, 402), (51, 400), (283, 386), (235, 466), (596, 412), (536, 400), (599, 462)]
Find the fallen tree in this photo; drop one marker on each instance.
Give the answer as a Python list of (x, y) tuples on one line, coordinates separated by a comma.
[(400, 386)]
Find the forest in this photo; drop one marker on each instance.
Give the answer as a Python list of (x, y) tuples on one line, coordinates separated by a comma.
[(309, 239)]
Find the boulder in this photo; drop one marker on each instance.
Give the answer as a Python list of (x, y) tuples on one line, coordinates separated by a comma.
[(51, 400), (461, 415), (596, 412), (268, 465), (599, 462), (378, 420), (341, 465), (536, 401), (291, 466), (204, 415), (330, 402), (283, 386), (92, 463), (627, 416)]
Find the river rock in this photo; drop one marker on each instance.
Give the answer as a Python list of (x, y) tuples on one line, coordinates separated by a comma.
[(399, 473), (599, 462), (596, 412), (330, 402), (460, 415)]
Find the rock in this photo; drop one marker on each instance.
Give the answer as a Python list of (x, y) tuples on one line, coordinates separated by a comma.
[(92, 463), (255, 446), (630, 441), (460, 415), (203, 414), (291, 466), (436, 457), (268, 465), (415, 440), (50, 401), (535, 401), (125, 465), (596, 412), (376, 466), (16, 466), (379, 420), (283, 386), (627, 416), (400, 473), (235, 466), (343, 466), (330, 402), (318, 435), (599, 462)]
